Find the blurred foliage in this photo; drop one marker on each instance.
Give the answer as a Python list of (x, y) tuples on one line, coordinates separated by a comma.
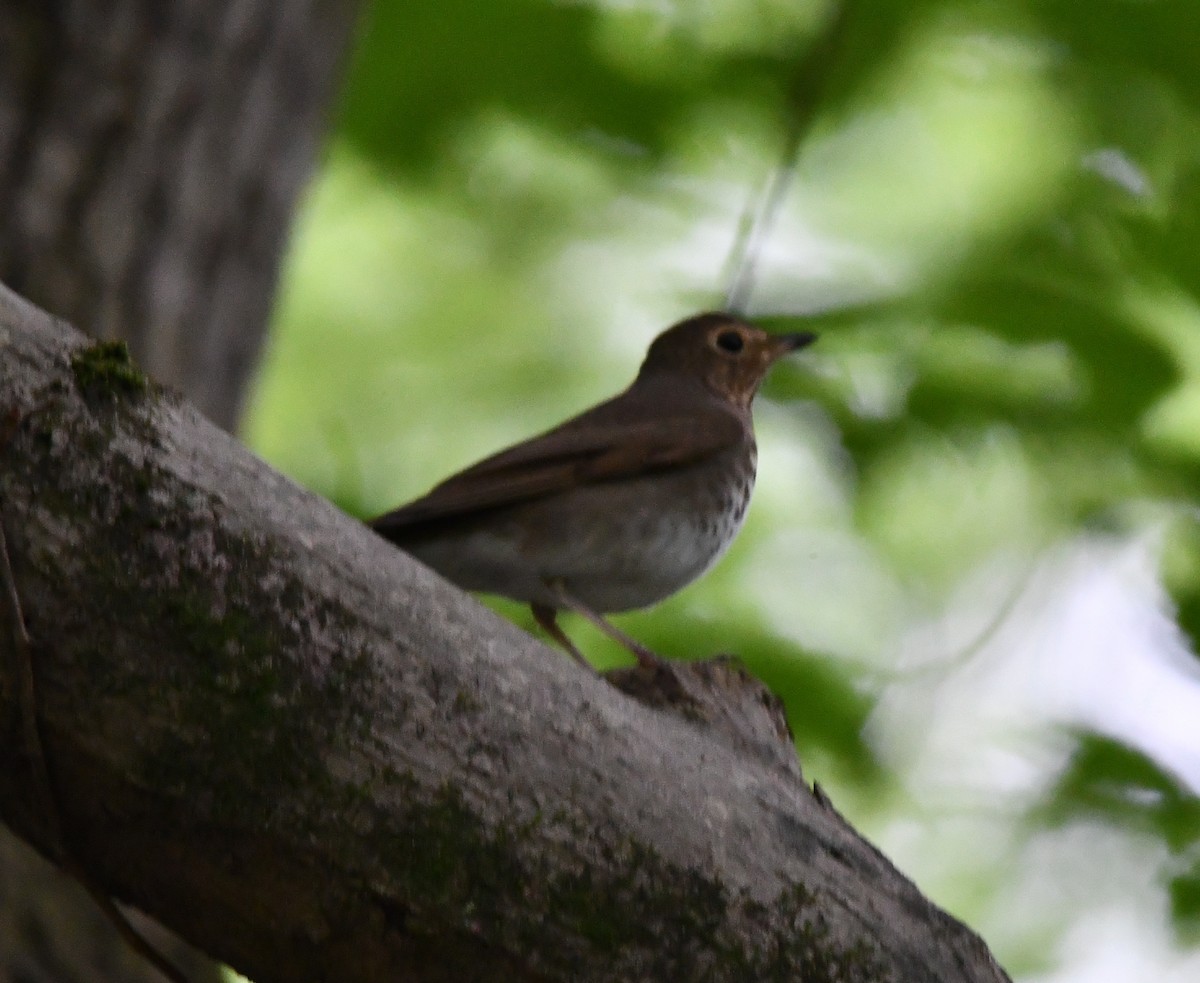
[(972, 568), (1123, 787)]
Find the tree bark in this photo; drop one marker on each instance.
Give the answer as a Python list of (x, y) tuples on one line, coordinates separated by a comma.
[(151, 154), (316, 760)]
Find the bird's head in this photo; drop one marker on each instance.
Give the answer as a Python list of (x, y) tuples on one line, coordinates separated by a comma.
[(726, 354)]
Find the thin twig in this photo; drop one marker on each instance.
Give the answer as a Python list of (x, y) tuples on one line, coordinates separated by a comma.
[(804, 98), (34, 750), (26, 697)]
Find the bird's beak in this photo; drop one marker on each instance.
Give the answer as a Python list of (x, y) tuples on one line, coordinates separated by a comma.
[(782, 344)]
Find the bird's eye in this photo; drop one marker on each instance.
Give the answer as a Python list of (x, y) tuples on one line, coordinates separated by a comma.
[(730, 341)]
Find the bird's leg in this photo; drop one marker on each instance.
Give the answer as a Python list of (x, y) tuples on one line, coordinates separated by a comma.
[(644, 656), (546, 617)]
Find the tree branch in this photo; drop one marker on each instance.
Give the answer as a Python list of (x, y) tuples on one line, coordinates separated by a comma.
[(315, 759)]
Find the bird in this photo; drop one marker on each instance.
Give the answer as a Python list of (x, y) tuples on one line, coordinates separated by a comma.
[(620, 506)]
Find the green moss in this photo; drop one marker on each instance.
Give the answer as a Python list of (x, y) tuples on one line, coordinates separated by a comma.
[(248, 715), (106, 370), (632, 902), (250, 707)]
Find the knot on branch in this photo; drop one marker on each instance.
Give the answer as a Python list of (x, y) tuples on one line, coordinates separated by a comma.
[(720, 696)]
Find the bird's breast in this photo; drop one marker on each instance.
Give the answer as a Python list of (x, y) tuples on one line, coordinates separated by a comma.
[(628, 544), (616, 545)]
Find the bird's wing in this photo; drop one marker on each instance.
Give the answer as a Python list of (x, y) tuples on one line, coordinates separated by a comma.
[(581, 450)]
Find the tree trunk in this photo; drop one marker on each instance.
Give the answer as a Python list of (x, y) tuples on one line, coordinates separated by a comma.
[(317, 760), (151, 153)]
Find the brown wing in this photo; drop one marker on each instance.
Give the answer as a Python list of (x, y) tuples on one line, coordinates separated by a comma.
[(593, 447)]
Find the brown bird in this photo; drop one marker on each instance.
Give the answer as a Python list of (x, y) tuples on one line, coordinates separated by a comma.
[(620, 506)]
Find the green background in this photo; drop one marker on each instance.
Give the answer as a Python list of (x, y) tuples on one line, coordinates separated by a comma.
[(971, 565)]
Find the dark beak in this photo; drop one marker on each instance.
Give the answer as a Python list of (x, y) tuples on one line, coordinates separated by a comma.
[(783, 344), (801, 339)]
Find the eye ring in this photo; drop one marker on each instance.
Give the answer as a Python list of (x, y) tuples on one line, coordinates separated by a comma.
[(730, 341)]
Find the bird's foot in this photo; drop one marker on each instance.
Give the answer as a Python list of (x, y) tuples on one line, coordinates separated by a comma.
[(645, 658)]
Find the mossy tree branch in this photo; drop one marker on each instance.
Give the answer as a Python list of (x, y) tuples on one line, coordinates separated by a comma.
[(316, 760)]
